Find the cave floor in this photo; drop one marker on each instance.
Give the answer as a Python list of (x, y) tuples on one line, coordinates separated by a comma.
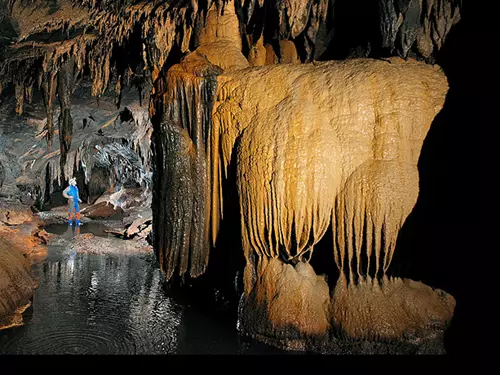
[(114, 303)]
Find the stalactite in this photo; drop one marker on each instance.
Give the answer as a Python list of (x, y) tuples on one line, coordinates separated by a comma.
[(19, 98), (187, 105), (48, 89), (375, 202), (65, 88)]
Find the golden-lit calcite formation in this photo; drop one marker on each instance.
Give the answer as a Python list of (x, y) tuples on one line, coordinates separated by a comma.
[(261, 54), (16, 285), (333, 142), (323, 132), (287, 303), (317, 145), (391, 309), (18, 246), (220, 40)]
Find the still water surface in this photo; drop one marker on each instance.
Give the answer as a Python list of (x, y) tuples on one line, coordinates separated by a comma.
[(110, 304)]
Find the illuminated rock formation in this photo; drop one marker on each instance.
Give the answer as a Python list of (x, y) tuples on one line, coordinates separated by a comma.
[(337, 143), (331, 143), (16, 285), (21, 242), (315, 144)]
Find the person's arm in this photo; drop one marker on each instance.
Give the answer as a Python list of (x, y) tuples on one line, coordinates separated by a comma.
[(78, 195), (65, 193)]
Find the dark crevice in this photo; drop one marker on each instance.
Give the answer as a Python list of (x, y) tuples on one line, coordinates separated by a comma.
[(435, 240)]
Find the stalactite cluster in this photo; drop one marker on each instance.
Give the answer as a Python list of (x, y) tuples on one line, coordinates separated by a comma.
[(127, 159), (183, 182), (334, 143), (92, 33), (386, 26), (48, 34)]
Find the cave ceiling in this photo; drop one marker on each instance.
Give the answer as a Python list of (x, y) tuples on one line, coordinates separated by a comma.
[(114, 42)]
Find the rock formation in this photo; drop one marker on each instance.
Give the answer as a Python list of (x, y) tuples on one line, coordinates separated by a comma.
[(21, 243), (252, 86), (330, 143), (16, 285)]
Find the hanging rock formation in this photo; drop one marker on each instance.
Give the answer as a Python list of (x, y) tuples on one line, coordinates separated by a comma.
[(337, 143), (46, 45), (240, 84), (330, 143)]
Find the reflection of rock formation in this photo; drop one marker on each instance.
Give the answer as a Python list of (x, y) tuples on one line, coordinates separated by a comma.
[(334, 143)]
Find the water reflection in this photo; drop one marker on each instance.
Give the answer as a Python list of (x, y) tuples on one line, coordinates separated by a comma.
[(94, 304), (114, 304)]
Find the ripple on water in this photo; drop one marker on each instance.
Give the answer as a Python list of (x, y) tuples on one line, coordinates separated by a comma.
[(97, 304)]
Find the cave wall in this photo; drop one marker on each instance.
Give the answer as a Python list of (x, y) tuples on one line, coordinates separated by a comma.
[(118, 44)]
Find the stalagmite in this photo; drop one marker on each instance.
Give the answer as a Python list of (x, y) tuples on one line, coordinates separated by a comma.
[(392, 309)]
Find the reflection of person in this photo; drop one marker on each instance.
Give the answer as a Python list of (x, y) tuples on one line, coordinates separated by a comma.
[(71, 193)]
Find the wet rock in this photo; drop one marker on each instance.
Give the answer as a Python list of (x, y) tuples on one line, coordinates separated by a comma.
[(16, 284), (392, 309), (288, 305), (117, 232), (88, 243), (14, 212), (101, 210), (43, 235), (28, 239), (138, 226)]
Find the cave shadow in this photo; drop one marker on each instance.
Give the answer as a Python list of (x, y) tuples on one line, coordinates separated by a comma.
[(436, 244)]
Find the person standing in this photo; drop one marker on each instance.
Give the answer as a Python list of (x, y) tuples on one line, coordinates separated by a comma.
[(71, 193)]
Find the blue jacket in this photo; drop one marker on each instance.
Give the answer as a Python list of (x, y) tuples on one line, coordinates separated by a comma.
[(73, 191)]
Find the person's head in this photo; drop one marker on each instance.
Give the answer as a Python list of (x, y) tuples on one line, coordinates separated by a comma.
[(72, 181)]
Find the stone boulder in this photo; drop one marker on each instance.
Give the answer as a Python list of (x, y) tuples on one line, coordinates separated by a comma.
[(101, 210), (14, 212), (390, 309)]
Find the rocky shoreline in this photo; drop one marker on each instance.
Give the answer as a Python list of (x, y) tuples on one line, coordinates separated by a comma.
[(24, 242)]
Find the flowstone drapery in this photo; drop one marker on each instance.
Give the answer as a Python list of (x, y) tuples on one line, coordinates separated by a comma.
[(317, 145), (314, 144)]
